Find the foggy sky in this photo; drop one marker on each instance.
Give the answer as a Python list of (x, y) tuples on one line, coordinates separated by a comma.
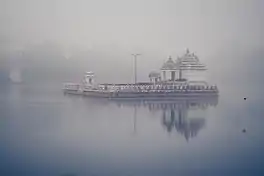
[(219, 31), (167, 25)]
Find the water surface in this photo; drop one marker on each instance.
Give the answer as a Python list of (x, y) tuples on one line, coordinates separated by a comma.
[(44, 132)]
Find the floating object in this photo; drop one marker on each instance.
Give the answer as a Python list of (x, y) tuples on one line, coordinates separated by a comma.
[(245, 98), (244, 130), (167, 86)]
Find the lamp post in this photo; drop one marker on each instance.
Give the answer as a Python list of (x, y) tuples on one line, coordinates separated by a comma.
[(135, 65)]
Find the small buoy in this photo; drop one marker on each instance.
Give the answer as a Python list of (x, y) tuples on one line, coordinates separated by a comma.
[(244, 130), (245, 98)]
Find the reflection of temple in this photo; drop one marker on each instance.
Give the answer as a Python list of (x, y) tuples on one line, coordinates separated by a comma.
[(189, 127), (176, 115)]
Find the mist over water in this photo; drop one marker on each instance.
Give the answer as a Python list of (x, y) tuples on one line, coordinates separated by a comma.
[(46, 43)]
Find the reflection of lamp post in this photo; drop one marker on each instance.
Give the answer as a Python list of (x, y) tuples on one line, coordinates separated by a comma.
[(135, 66), (135, 119)]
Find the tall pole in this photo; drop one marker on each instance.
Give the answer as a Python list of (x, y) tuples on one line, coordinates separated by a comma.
[(135, 66)]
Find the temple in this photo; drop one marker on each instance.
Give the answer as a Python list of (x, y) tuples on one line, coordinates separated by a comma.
[(169, 70), (176, 78), (182, 69)]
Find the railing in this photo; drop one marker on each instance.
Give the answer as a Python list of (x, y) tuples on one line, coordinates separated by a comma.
[(160, 88), (71, 86), (143, 88)]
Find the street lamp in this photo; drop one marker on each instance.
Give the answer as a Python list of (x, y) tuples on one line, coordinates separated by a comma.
[(135, 65)]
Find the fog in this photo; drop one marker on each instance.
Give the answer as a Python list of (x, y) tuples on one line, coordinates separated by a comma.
[(57, 40), (44, 43)]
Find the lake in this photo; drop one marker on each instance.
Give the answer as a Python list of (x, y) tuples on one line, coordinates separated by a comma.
[(44, 132)]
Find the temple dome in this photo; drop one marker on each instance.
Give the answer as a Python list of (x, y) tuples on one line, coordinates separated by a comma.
[(189, 61), (154, 74), (169, 65)]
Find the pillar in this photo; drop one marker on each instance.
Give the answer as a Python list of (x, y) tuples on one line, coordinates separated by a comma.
[(164, 75), (180, 74), (173, 75)]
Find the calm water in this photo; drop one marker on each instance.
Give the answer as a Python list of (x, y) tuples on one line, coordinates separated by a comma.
[(44, 132)]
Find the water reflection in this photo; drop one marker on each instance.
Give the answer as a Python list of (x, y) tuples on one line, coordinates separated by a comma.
[(189, 127), (183, 116)]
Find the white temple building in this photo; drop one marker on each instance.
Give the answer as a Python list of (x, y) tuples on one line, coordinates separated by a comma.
[(191, 67), (185, 67), (169, 70), (154, 77)]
